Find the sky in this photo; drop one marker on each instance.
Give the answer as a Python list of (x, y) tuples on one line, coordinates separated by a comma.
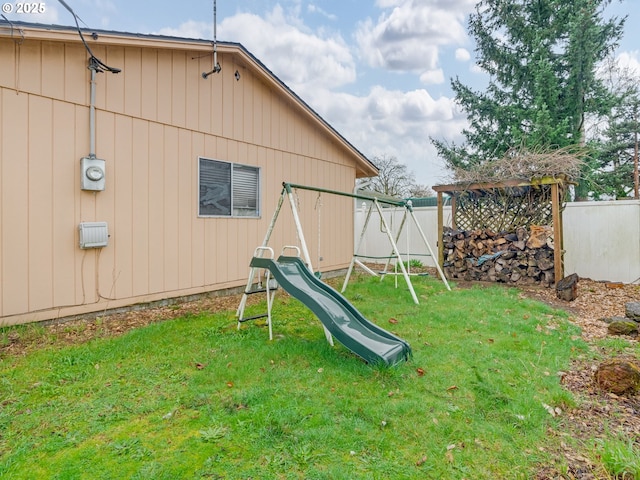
[(378, 71)]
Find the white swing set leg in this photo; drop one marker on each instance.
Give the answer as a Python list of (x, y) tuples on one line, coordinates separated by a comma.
[(354, 259), (396, 253), (426, 242), (305, 250)]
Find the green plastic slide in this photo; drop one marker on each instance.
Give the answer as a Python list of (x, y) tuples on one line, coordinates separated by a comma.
[(341, 318)]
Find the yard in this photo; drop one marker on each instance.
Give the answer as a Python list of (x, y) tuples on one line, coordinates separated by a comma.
[(500, 386)]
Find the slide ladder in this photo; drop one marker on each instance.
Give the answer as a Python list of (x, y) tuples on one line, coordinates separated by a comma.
[(251, 289)]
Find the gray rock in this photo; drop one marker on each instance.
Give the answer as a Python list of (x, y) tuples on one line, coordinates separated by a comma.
[(632, 310)]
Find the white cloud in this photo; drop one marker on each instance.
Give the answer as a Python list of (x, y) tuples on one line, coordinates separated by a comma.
[(312, 8), (100, 10), (299, 57), (434, 77), (629, 61), (388, 3), (617, 73), (463, 55), (408, 34), (475, 68), (189, 29), (395, 123)]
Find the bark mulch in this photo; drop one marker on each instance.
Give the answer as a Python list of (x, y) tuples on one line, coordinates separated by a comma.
[(598, 413)]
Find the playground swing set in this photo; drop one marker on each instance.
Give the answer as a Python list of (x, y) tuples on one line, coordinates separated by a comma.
[(387, 228), (295, 274)]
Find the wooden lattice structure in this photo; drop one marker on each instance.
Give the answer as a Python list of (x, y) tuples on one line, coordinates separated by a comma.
[(504, 206)]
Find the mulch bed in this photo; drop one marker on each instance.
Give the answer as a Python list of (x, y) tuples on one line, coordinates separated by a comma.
[(598, 412)]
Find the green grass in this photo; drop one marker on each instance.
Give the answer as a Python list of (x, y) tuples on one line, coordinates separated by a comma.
[(413, 263), (620, 457), (195, 398)]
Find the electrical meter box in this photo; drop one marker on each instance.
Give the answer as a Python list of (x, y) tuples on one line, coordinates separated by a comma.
[(92, 171)]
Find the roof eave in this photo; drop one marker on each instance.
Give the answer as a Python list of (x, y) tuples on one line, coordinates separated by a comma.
[(60, 33)]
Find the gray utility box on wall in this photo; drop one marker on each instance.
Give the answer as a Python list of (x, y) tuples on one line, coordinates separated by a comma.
[(92, 171), (93, 234)]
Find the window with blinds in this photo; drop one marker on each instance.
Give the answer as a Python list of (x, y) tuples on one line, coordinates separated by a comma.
[(228, 189)]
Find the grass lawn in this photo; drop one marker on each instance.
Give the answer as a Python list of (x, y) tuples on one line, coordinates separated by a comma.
[(195, 398)]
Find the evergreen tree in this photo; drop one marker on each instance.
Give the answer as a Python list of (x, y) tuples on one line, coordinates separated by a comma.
[(615, 142), (541, 57)]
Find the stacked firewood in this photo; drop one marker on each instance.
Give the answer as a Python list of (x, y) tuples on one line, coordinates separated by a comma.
[(524, 256)]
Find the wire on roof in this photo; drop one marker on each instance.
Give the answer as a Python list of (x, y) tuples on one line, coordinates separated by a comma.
[(94, 62), (19, 42)]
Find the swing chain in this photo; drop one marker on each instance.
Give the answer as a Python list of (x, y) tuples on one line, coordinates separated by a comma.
[(318, 208)]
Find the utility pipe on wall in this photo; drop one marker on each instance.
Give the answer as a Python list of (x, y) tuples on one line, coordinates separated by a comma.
[(92, 113)]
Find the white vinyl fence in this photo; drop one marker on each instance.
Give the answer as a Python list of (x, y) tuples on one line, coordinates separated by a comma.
[(601, 239)]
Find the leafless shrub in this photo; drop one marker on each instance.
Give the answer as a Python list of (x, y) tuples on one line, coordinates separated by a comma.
[(526, 165)]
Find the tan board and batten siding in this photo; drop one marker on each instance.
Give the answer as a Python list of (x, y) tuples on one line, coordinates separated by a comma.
[(153, 121)]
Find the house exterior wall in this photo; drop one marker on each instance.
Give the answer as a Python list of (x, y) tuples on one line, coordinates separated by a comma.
[(153, 121)]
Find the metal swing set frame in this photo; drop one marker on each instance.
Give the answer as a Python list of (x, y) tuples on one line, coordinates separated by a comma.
[(375, 205)]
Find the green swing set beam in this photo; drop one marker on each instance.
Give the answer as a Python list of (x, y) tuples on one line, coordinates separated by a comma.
[(380, 199), (375, 201)]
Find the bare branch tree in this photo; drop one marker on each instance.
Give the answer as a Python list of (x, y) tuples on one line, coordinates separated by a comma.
[(421, 191), (394, 178)]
